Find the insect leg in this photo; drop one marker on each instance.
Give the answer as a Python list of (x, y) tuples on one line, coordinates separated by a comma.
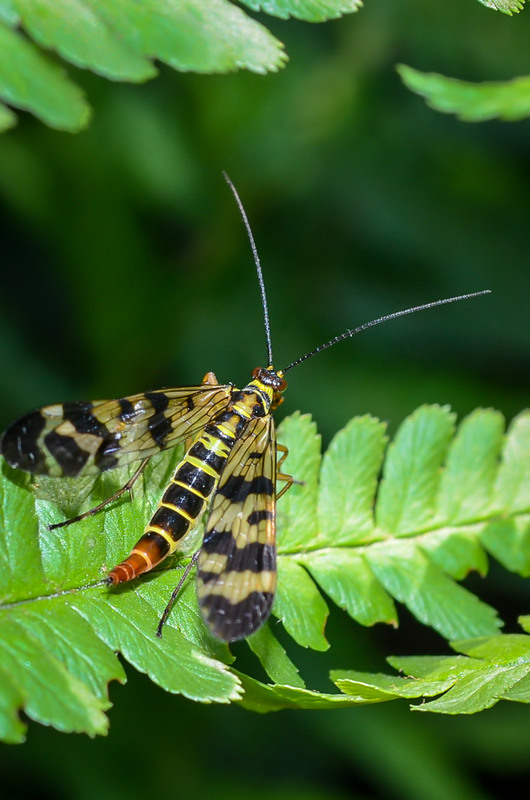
[(174, 594), (126, 488), (280, 475)]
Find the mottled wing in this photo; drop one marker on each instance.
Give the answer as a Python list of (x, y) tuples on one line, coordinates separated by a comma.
[(236, 576), (72, 439)]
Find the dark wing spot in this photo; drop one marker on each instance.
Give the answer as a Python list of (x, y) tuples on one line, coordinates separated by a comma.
[(70, 457), (159, 401), (221, 542), (19, 443), (230, 621), (159, 427), (127, 409), (255, 517), (105, 457), (83, 420), (254, 556), (237, 489)]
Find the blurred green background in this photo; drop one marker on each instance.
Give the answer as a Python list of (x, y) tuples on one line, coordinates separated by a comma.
[(126, 267)]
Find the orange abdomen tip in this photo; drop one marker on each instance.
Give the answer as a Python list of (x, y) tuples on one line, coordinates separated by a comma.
[(133, 566)]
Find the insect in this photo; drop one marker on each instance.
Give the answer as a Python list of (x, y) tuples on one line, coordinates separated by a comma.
[(230, 469)]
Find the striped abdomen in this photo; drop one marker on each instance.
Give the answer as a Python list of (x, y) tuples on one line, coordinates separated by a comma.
[(184, 500)]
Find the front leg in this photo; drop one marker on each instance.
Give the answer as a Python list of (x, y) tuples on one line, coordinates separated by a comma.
[(281, 476)]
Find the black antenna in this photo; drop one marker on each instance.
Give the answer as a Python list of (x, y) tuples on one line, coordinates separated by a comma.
[(258, 269), (371, 324)]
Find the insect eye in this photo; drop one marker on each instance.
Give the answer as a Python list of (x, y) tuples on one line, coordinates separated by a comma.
[(257, 372)]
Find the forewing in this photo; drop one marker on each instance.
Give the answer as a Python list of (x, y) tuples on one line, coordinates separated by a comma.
[(236, 576), (72, 439)]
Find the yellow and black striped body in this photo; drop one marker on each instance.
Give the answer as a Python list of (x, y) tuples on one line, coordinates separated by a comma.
[(237, 565), (231, 466), (184, 501)]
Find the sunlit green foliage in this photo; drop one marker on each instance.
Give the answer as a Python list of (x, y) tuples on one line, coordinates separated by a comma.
[(426, 526)]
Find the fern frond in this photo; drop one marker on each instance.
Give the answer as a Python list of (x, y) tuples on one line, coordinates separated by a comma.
[(504, 6), (121, 39), (471, 102), (489, 669), (444, 503)]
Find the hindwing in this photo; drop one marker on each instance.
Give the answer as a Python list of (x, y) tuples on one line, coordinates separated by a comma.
[(236, 576), (71, 439)]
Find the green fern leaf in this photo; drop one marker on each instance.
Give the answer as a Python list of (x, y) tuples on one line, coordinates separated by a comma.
[(120, 40), (490, 669), (438, 497), (7, 118), (308, 10), (504, 6), (471, 102), (59, 631), (30, 81), (443, 501)]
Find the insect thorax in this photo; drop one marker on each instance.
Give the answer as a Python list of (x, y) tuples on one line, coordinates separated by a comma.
[(263, 393)]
